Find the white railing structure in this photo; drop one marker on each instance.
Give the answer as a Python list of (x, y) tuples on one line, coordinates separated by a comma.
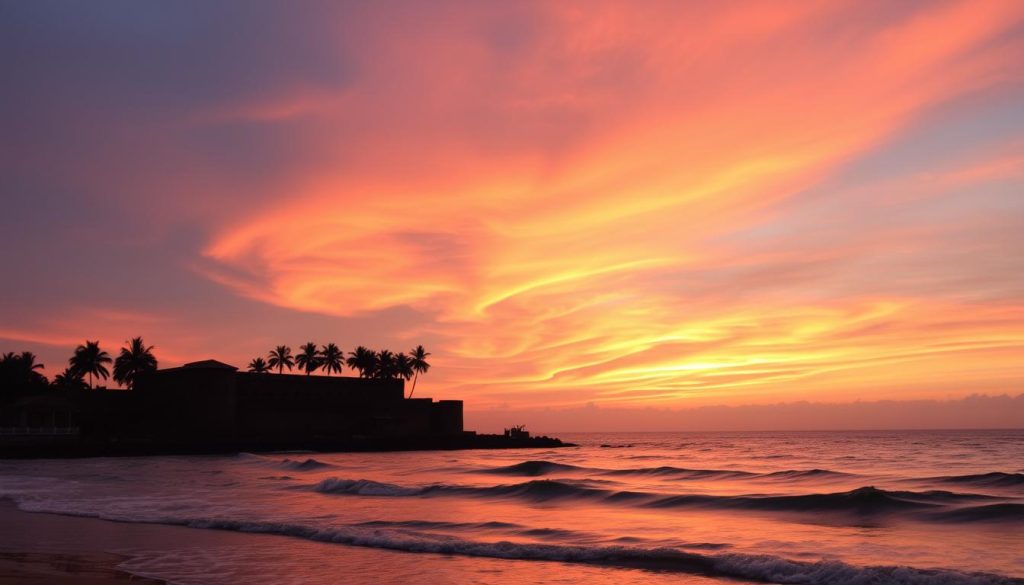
[(36, 431)]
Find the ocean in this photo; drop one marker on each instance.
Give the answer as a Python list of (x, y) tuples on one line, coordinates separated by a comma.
[(806, 508)]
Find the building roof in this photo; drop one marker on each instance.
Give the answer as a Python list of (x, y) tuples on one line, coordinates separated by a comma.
[(210, 365)]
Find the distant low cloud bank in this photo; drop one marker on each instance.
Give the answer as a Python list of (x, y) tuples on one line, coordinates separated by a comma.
[(975, 411)]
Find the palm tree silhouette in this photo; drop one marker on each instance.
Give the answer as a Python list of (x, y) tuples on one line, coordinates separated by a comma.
[(133, 360), (28, 365), (258, 366), (89, 359), (385, 367), (403, 367), (28, 361), (308, 359), (331, 358), (18, 372), (362, 359), (69, 379), (419, 365), (280, 358)]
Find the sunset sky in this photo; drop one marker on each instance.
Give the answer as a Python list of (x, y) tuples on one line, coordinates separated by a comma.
[(622, 204)]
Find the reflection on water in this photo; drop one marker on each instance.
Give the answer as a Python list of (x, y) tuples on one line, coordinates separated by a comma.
[(911, 507)]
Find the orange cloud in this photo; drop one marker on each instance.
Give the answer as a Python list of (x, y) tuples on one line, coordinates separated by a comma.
[(570, 219)]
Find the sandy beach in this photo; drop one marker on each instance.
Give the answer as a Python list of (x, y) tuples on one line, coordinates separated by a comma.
[(45, 548), (83, 568)]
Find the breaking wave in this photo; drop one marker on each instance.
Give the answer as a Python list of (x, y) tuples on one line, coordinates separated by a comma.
[(765, 568), (308, 464), (861, 501), (536, 490), (535, 468), (366, 487), (305, 465), (506, 527)]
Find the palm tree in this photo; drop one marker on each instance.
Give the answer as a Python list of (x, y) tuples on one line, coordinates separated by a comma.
[(385, 367), (258, 366), (419, 364), (331, 358), (28, 361), (18, 372), (90, 359), (308, 359), (403, 366), (7, 367), (362, 359), (69, 379), (280, 358), (133, 360)]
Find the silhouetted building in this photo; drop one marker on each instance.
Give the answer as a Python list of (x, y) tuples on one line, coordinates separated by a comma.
[(213, 400), (39, 419), (209, 404)]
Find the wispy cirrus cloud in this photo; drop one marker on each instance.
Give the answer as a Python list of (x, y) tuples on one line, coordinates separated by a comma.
[(667, 242)]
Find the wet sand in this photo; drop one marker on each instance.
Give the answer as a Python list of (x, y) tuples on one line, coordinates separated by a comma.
[(92, 568), (48, 548), (44, 548)]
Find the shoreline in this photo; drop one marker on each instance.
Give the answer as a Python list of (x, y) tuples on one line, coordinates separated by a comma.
[(95, 568), (28, 557), (101, 448)]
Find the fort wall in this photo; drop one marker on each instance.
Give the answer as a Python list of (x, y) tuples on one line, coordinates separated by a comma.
[(212, 401)]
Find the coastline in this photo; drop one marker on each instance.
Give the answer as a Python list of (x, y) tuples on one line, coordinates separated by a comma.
[(35, 548), (108, 448), (86, 568)]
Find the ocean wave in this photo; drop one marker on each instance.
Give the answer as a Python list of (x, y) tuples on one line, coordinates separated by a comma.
[(764, 568), (993, 479), (441, 525), (681, 559), (682, 472), (365, 487), (504, 527), (536, 490), (308, 464), (534, 468), (540, 490), (303, 465), (861, 501), (689, 559), (1004, 512), (799, 474)]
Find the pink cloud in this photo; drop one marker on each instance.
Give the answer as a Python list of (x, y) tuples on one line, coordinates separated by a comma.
[(552, 254)]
